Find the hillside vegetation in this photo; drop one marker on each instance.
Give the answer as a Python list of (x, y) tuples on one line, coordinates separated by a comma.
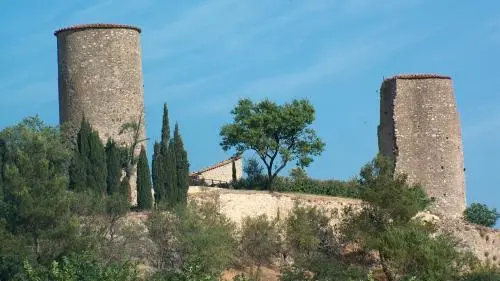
[(65, 215)]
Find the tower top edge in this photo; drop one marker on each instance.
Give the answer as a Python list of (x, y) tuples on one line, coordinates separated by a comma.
[(417, 76), (96, 26)]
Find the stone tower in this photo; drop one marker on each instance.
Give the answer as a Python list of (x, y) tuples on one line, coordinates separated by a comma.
[(420, 130), (100, 76)]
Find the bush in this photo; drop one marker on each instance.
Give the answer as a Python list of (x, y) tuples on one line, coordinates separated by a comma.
[(82, 267), (259, 240), (350, 188), (483, 273), (195, 237), (480, 214)]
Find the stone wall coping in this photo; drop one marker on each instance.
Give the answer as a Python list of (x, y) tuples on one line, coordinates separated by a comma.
[(418, 76), (96, 26)]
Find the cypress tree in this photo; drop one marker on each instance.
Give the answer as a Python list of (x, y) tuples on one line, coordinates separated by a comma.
[(77, 173), (233, 163), (88, 167), (144, 196), (125, 188), (114, 167), (182, 166), (156, 172), (171, 176), (165, 130), (161, 179), (3, 159), (79, 162), (96, 171)]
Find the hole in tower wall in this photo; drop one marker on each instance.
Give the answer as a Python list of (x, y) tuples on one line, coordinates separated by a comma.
[(442, 167)]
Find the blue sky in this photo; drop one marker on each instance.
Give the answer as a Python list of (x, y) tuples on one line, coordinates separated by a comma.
[(202, 56)]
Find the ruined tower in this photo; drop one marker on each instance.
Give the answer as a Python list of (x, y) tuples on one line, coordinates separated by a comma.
[(420, 130), (100, 76)]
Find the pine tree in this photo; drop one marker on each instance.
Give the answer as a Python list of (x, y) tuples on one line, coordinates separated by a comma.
[(144, 196), (156, 172), (114, 167), (171, 176), (182, 167)]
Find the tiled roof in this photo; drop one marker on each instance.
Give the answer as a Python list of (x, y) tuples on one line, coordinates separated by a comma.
[(96, 25), (220, 164)]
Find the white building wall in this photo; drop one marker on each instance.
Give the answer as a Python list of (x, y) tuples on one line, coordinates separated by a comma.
[(223, 173)]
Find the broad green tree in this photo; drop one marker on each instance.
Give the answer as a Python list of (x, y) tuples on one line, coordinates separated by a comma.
[(36, 199), (144, 196), (480, 214), (279, 134), (386, 225)]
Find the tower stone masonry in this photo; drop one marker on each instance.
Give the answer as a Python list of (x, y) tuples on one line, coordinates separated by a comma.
[(420, 130), (100, 77)]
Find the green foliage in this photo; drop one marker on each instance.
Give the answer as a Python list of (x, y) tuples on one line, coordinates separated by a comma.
[(144, 195), (196, 234), (88, 168), (96, 169), (207, 237), (125, 186), (384, 225), (259, 240), (486, 272), (36, 203), (170, 167), (278, 134), (388, 196), (82, 267), (171, 189), (182, 167), (188, 272), (480, 214), (114, 167), (165, 129), (411, 251), (338, 188), (309, 236), (293, 273), (233, 171), (156, 173)]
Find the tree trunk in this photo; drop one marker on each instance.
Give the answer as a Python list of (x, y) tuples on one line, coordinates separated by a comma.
[(269, 182)]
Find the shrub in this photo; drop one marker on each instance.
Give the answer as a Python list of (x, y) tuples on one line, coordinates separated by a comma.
[(259, 240), (480, 214), (195, 237), (82, 267), (350, 188)]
